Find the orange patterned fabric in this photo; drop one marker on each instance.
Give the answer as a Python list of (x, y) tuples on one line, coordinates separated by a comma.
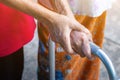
[(72, 66)]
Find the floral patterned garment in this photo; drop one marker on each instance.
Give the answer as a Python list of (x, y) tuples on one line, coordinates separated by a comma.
[(71, 66)]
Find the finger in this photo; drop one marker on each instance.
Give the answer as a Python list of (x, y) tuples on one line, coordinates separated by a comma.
[(76, 46), (78, 27), (88, 33), (77, 49), (66, 43), (76, 42), (86, 47), (80, 52)]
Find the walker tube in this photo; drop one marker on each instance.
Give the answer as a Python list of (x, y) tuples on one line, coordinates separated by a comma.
[(94, 50), (52, 59), (105, 59)]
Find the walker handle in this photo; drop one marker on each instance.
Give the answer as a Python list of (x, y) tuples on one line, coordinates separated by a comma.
[(105, 59), (94, 50)]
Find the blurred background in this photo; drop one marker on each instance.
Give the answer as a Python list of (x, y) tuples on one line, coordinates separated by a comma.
[(111, 46)]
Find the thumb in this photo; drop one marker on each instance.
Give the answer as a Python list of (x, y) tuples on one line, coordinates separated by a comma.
[(78, 27)]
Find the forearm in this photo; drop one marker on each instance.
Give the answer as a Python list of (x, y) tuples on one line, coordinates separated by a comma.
[(32, 8), (62, 7)]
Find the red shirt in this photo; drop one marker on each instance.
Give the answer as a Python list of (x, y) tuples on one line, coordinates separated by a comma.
[(16, 29)]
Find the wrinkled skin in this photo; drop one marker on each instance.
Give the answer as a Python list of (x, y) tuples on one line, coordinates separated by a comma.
[(68, 32), (79, 39), (60, 31), (80, 44)]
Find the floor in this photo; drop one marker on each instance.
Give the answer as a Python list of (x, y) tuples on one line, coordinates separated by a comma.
[(111, 47)]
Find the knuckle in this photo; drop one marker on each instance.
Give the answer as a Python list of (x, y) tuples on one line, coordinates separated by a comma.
[(82, 34)]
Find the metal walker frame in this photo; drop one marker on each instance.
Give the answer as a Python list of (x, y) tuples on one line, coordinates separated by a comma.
[(94, 50)]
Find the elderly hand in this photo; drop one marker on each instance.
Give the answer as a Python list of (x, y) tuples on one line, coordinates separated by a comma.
[(60, 30), (80, 43), (69, 33), (79, 39)]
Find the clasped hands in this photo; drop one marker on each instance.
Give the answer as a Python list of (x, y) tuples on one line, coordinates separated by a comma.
[(69, 33)]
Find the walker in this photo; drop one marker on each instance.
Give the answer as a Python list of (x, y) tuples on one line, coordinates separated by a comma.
[(94, 49)]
